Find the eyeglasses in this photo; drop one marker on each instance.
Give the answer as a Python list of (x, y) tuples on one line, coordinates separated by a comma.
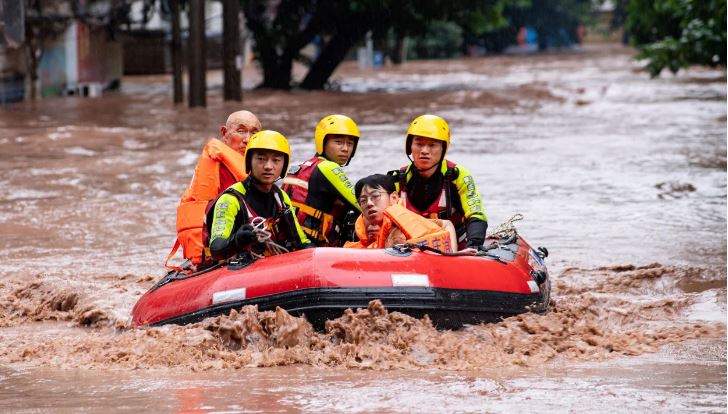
[(374, 197)]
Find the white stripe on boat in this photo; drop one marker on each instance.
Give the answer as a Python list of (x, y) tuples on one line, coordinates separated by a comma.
[(228, 296), (410, 279)]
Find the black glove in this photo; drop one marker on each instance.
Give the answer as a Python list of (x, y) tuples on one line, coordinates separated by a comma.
[(475, 229), (478, 247), (245, 235)]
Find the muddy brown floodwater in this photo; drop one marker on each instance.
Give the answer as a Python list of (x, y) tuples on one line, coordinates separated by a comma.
[(623, 178)]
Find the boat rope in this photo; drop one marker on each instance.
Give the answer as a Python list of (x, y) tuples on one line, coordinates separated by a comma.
[(506, 230), (264, 238)]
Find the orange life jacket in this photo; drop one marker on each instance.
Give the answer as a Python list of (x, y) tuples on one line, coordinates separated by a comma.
[(204, 187), (416, 229)]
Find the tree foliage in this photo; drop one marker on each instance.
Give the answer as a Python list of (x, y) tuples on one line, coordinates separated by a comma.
[(442, 40), (281, 29), (674, 34)]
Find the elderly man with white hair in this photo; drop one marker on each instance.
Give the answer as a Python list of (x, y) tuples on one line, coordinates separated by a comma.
[(221, 164)]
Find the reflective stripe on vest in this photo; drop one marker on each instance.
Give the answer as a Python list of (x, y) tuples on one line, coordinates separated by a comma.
[(296, 181), (326, 220), (296, 185)]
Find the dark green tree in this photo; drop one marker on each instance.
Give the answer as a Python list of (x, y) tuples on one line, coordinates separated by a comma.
[(442, 40), (674, 34), (282, 29), (280, 32)]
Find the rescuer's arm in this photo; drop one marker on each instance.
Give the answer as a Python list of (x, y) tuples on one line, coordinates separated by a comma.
[(476, 222), (340, 182), (223, 243)]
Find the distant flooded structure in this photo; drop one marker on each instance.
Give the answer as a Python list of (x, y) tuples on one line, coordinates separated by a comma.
[(148, 47), (56, 49), (82, 48), (83, 61)]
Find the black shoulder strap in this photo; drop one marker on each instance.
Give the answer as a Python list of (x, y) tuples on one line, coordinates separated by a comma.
[(288, 217), (400, 177), (451, 174)]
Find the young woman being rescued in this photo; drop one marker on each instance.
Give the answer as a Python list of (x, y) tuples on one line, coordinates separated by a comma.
[(229, 222), (319, 187), (434, 187)]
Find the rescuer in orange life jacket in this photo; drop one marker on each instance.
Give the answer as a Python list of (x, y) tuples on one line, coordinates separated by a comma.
[(229, 222), (319, 187), (220, 165), (437, 188), (384, 222)]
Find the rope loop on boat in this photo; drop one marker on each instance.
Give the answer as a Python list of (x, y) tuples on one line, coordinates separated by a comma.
[(264, 238), (507, 229)]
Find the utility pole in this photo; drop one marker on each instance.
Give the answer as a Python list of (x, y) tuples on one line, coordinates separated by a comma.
[(231, 59), (196, 46), (176, 53)]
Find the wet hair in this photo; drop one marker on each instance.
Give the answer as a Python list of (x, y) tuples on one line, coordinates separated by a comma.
[(386, 182)]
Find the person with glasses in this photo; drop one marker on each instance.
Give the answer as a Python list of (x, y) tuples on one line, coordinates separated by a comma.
[(434, 187), (384, 222), (254, 201), (319, 187), (220, 165)]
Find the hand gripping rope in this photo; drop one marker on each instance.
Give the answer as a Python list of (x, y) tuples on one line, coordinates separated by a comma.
[(264, 238)]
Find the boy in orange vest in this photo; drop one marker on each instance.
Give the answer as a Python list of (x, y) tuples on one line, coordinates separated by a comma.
[(384, 222)]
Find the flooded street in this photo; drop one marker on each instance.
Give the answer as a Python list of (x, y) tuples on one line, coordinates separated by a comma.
[(621, 177)]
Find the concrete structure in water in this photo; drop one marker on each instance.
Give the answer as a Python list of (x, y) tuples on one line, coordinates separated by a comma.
[(51, 51), (83, 61)]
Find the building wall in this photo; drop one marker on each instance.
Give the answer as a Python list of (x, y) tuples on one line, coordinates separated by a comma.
[(83, 55)]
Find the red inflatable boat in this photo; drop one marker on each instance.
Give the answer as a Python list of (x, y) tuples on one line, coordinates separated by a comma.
[(507, 279)]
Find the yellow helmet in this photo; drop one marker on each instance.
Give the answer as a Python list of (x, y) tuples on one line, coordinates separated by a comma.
[(268, 140), (335, 124), (428, 126)]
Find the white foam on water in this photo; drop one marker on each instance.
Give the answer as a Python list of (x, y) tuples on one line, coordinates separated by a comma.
[(709, 307), (85, 152), (188, 158)]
